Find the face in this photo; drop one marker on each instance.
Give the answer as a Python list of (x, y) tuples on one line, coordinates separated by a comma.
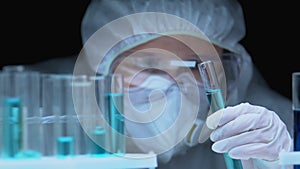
[(162, 93)]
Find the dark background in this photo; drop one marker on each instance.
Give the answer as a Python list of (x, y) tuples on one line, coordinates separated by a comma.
[(34, 31)]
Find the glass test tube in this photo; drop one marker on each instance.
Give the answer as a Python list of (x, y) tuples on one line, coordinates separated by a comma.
[(85, 105), (1, 112), (30, 95), (296, 109), (66, 127), (113, 113), (96, 129), (71, 139), (216, 100), (48, 119), (12, 125), (24, 85), (96, 142)]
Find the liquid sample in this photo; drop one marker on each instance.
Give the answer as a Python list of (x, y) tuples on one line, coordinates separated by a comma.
[(97, 142), (114, 105), (29, 154), (12, 127), (65, 146), (297, 133), (216, 101), (297, 130)]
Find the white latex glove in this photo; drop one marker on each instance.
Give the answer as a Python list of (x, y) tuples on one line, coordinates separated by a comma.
[(249, 132)]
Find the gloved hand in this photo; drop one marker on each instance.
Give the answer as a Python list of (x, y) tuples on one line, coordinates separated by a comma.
[(247, 131)]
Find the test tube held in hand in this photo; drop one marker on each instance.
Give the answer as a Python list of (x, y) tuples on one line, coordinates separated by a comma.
[(216, 100)]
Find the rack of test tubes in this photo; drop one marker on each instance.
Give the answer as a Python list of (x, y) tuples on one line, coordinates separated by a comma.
[(51, 120)]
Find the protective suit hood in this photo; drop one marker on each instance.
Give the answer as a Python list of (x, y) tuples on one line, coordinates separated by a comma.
[(221, 22)]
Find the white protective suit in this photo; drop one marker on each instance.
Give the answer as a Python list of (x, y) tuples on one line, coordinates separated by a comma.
[(223, 23)]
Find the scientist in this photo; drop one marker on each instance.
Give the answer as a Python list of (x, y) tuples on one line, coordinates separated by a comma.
[(253, 126)]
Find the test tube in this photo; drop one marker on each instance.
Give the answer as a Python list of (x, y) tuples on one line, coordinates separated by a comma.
[(96, 142), (113, 113), (29, 92), (12, 125), (24, 85), (85, 112), (64, 127), (216, 100), (66, 123), (296, 109), (1, 112), (95, 126), (48, 118)]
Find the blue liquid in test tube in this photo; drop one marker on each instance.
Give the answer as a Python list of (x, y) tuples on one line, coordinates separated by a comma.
[(65, 147), (296, 109), (297, 133), (216, 101), (98, 142), (215, 98), (297, 130), (114, 103), (12, 127)]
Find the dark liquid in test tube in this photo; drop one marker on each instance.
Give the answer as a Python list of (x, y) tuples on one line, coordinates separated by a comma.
[(297, 130), (297, 133)]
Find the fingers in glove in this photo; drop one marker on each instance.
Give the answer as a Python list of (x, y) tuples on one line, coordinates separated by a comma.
[(254, 150), (241, 124), (228, 114), (256, 144), (255, 136)]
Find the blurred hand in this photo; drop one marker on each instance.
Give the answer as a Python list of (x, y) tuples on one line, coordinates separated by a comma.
[(247, 131)]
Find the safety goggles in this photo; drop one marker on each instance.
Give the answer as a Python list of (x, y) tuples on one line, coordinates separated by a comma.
[(139, 66)]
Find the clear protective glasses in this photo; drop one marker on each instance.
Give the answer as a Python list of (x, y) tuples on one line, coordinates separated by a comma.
[(137, 67)]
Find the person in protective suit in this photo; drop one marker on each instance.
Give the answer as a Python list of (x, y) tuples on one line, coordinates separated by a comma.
[(144, 37)]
